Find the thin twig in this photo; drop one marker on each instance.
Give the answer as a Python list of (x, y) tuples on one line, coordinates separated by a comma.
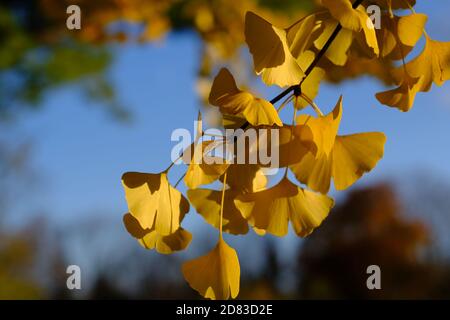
[(222, 204), (312, 65), (316, 59)]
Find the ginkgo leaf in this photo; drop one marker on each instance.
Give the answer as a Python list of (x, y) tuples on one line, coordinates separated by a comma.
[(273, 208), (315, 172), (215, 275), (225, 95), (369, 33), (410, 28), (337, 51), (355, 154), (177, 241), (343, 158), (287, 144), (400, 35), (270, 50), (133, 227), (402, 97), (154, 202), (310, 86), (203, 168), (245, 177), (232, 122), (294, 142), (386, 38), (433, 64), (208, 203), (343, 11), (301, 35), (323, 129), (356, 20), (259, 232)]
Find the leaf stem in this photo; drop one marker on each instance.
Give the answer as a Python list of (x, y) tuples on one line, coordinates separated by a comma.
[(285, 102), (222, 204), (312, 104), (292, 136), (179, 180)]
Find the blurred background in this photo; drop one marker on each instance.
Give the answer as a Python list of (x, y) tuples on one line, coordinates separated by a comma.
[(80, 107)]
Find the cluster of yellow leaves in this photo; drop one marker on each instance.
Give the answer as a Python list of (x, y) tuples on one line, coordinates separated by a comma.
[(397, 38), (310, 147)]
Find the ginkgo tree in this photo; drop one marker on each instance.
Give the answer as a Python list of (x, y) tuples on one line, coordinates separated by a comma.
[(295, 59)]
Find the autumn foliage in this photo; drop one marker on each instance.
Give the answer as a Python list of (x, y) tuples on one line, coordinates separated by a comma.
[(296, 58)]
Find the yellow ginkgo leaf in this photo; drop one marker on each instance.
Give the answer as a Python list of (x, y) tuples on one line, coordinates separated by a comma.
[(245, 178), (337, 51), (356, 20), (369, 33), (259, 232), (232, 122), (386, 38), (343, 12), (342, 158), (294, 143), (179, 240), (323, 130), (273, 208), (154, 202), (133, 227), (208, 203), (203, 168), (271, 55), (355, 154), (215, 275), (287, 146), (301, 35), (410, 28), (402, 97), (433, 64), (225, 95), (315, 172), (400, 35)]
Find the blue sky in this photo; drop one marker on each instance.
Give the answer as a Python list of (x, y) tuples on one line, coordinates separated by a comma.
[(81, 153)]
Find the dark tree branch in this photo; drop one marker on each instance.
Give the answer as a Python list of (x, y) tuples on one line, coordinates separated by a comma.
[(297, 87), (316, 59)]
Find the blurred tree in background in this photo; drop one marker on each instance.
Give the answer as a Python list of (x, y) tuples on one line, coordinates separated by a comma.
[(370, 228), (39, 53)]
